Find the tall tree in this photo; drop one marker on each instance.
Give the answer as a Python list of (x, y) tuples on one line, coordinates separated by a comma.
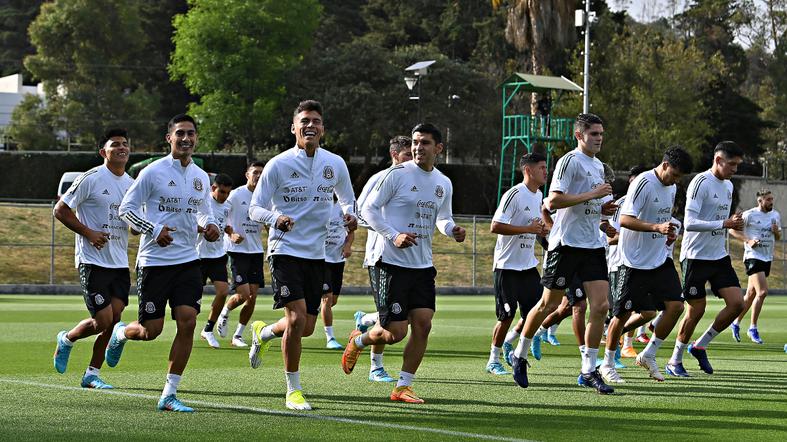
[(15, 17), (235, 54)]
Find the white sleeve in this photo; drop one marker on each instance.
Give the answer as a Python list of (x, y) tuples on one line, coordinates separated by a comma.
[(564, 171), (372, 209), (344, 189), (367, 188), (445, 220), (205, 211), (635, 199), (78, 192), (694, 196), (130, 209), (509, 204), (261, 206)]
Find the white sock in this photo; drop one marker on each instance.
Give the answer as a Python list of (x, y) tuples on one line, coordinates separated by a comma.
[(240, 329), (171, 387), (522, 348), (751, 327), (329, 332), (653, 345), (552, 330), (628, 341), (92, 371), (677, 353), (359, 341), (511, 336), (405, 379), (706, 337), (377, 361), (494, 354), (655, 322), (591, 356), (582, 349), (736, 322), (641, 330), (224, 312), (293, 381), (120, 334), (369, 319), (609, 358), (266, 334), (540, 332), (67, 342)]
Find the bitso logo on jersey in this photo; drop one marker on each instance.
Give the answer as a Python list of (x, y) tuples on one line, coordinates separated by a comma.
[(197, 184), (327, 173), (438, 191)]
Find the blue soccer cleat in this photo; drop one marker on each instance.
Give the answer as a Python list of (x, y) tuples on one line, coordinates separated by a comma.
[(114, 347), (519, 365), (535, 347), (496, 368), (358, 325), (93, 381), (552, 340), (62, 352), (380, 375), (593, 380), (580, 380), (618, 363), (677, 370), (702, 357), (736, 332), (334, 345), (754, 335), (508, 352), (171, 403)]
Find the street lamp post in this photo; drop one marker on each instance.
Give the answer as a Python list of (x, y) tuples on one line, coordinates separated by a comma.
[(413, 75), (585, 19)]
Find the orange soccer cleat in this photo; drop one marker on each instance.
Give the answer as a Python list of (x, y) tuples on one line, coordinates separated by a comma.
[(405, 394), (351, 353)]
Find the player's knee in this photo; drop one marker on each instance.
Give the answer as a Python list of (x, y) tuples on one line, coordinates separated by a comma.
[(736, 306), (334, 300), (102, 324), (762, 293), (187, 324), (296, 322), (393, 336), (308, 329), (648, 315), (600, 308)]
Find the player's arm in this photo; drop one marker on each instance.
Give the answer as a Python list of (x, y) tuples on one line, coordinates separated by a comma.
[(348, 243), (445, 218), (65, 215), (373, 213), (130, 209), (261, 206), (367, 188), (559, 199), (776, 228), (346, 196), (633, 223)]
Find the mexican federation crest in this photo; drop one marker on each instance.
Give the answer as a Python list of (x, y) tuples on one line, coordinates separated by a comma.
[(438, 191), (327, 173), (197, 184)]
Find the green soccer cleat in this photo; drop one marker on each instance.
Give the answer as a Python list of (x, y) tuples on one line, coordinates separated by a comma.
[(258, 346)]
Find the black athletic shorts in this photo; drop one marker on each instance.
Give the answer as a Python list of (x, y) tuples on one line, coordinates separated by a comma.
[(297, 278), (101, 284), (575, 293), (645, 290), (401, 289), (247, 268), (214, 268), (696, 272), (516, 288), (754, 266), (180, 284), (564, 263), (334, 276)]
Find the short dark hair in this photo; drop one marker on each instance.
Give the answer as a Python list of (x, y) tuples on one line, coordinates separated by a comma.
[(429, 128), (179, 118), (677, 157), (110, 133), (223, 179), (255, 164), (763, 192), (729, 149), (399, 143), (638, 169), (584, 121), (529, 159), (308, 106)]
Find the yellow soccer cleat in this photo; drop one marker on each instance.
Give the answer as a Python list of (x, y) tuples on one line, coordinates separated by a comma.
[(296, 401), (258, 346), (405, 394)]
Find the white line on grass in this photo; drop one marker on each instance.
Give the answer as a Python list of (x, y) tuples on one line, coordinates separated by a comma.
[(276, 412)]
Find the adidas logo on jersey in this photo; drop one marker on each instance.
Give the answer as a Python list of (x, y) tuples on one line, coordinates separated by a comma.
[(656, 200), (715, 196), (589, 173), (527, 208), (243, 203), (414, 189), (295, 175), (105, 192), (172, 183)]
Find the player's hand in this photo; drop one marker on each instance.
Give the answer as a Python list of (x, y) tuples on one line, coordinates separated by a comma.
[(734, 222), (666, 228), (200, 229), (236, 238), (285, 223), (97, 239), (405, 240), (211, 232), (164, 238), (350, 222), (609, 208), (775, 227), (346, 252), (753, 243), (602, 190), (459, 233)]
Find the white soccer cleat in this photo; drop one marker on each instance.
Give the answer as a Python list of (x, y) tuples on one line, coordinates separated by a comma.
[(221, 325), (211, 338), (650, 365), (610, 375), (237, 341)]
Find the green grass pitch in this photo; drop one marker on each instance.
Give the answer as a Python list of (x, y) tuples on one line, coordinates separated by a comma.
[(746, 399)]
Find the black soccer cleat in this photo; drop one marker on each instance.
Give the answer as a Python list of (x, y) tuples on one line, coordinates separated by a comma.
[(593, 380), (519, 366)]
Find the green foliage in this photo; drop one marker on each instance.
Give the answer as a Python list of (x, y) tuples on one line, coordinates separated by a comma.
[(235, 55), (15, 17), (32, 125)]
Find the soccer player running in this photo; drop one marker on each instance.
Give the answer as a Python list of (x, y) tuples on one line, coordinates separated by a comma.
[(338, 247), (647, 279), (399, 149), (761, 228), (168, 204), (213, 255), (704, 256), (295, 196), (575, 248), (516, 222), (247, 256), (407, 204), (100, 251)]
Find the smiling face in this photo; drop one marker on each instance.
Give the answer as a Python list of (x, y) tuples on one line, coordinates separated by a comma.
[(425, 150), (182, 139), (308, 129), (115, 151)]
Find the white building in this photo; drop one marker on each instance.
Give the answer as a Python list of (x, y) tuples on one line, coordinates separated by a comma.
[(12, 92)]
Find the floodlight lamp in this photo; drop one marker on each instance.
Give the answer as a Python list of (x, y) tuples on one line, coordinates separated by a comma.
[(410, 82), (579, 18)]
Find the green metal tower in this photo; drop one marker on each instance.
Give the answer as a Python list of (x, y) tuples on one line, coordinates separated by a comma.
[(522, 132)]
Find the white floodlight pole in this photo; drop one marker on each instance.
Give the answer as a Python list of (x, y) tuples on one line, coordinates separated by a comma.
[(585, 18)]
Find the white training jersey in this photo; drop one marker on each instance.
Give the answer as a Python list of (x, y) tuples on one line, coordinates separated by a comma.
[(409, 199), (678, 227), (214, 249), (337, 234), (650, 201), (577, 226), (239, 202), (757, 225), (708, 204), (614, 258), (166, 193), (95, 197), (301, 187), (518, 207), (372, 238)]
